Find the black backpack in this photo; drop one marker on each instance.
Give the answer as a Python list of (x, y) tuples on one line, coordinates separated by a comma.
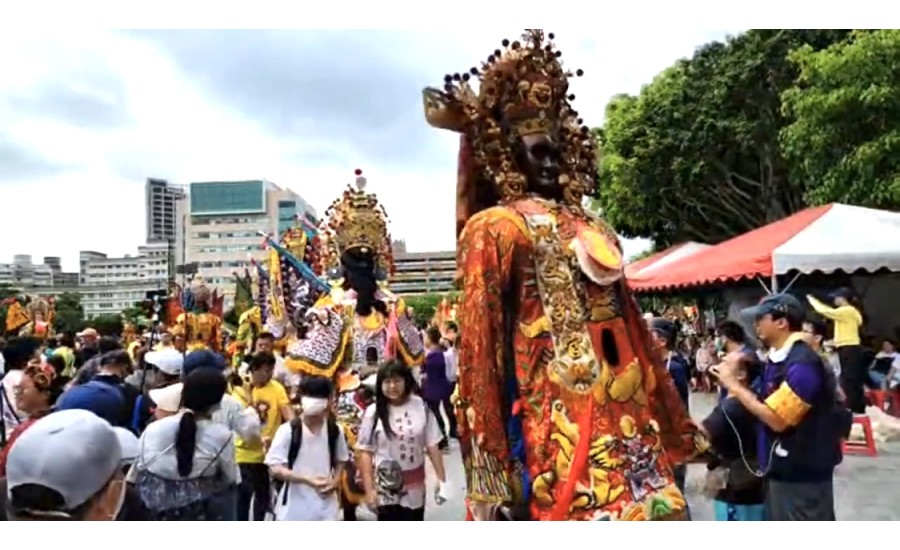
[(297, 440)]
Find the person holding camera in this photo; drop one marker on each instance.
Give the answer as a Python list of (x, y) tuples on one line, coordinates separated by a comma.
[(803, 422)]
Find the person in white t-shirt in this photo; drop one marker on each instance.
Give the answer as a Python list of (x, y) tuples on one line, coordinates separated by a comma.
[(308, 454), (395, 435)]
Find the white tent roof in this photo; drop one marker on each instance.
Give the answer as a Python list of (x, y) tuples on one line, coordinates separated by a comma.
[(846, 238)]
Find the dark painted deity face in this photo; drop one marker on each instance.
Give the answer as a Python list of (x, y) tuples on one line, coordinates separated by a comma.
[(539, 161), (360, 275)]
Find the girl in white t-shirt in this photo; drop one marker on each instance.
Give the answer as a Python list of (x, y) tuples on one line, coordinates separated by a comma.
[(395, 435)]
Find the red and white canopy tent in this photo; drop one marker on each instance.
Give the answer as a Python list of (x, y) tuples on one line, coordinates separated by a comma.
[(828, 238), (645, 266)]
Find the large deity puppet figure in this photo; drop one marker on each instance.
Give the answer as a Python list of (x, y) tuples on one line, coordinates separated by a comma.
[(564, 414), (197, 312), (40, 319), (359, 324)]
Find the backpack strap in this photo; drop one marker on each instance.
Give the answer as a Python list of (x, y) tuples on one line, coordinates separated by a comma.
[(296, 441), (293, 453), (333, 433), (136, 414)]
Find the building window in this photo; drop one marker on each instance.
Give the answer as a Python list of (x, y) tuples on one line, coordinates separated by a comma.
[(223, 197)]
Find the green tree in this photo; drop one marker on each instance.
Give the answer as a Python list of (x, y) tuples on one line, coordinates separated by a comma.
[(69, 313), (424, 306), (135, 315), (107, 324), (695, 155), (843, 139)]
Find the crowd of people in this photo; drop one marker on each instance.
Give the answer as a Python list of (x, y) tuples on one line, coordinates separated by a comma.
[(800, 376), (566, 406), (184, 436)]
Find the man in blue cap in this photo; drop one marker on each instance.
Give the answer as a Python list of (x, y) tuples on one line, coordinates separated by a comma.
[(802, 422)]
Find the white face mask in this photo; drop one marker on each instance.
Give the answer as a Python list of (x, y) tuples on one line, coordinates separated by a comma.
[(313, 406)]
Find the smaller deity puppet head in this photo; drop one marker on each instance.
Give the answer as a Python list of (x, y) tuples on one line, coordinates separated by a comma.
[(358, 245)]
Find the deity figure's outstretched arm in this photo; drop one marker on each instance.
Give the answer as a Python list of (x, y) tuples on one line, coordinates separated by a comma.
[(327, 344), (679, 435), (409, 340), (486, 259)]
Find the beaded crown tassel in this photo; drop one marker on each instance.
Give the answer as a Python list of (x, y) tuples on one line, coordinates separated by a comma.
[(524, 90), (356, 221)]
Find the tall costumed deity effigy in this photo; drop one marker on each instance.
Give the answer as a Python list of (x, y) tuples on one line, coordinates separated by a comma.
[(359, 323), (565, 412), (194, 314)]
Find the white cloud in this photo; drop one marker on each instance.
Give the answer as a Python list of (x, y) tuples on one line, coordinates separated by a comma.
[(173, 129)]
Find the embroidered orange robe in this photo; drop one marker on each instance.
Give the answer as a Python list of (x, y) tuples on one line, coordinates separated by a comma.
[(562, 409)]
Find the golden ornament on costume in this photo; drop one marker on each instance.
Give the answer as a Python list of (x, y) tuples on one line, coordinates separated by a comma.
[(527, 84), (356, 221)]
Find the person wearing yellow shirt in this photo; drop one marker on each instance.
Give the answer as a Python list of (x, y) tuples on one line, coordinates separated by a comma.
[(66, 350), (847, 320), (270, 400)]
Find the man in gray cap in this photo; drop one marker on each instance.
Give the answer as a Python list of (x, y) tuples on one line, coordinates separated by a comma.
[(66, 466)]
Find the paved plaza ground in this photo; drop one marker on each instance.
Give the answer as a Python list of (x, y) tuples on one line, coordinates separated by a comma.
[(865, 488)]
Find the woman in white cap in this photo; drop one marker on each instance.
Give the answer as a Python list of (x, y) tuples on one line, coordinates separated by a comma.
[(67, 466)]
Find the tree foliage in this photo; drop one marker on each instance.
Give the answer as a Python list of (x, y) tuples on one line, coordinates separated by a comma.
[(69, 313), (424, 306), (695, 155), (843, 139), (107, 324)]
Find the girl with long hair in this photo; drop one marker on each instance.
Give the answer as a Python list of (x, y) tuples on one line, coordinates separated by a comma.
[(187, 460), (396, 433)]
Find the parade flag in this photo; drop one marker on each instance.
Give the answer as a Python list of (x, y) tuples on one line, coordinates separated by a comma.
[(16, 317)]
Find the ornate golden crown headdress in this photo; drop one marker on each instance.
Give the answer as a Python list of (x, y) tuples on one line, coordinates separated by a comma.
[(523, 91), (356, 221)]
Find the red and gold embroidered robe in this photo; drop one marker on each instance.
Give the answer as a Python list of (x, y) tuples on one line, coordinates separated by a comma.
[(562, 407)]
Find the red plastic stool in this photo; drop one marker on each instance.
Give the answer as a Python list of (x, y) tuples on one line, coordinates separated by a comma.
[(866, 448), (884, 400)]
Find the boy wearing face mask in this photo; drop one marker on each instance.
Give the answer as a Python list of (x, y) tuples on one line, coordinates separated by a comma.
[(308, 454)]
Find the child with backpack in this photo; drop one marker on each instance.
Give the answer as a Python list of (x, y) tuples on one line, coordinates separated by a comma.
[(308, 455)]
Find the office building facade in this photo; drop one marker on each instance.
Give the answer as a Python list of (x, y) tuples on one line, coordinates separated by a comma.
[(423, 272), (222, 225)]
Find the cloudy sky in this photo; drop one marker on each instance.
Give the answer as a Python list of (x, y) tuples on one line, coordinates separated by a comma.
[(88, 116)]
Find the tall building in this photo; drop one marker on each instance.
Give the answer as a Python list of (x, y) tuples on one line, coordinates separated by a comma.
[(164, 220), (161, 198), (423, 272), (222, 223)]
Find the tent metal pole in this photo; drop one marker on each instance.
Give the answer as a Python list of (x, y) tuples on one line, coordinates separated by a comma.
[(774, 284)]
